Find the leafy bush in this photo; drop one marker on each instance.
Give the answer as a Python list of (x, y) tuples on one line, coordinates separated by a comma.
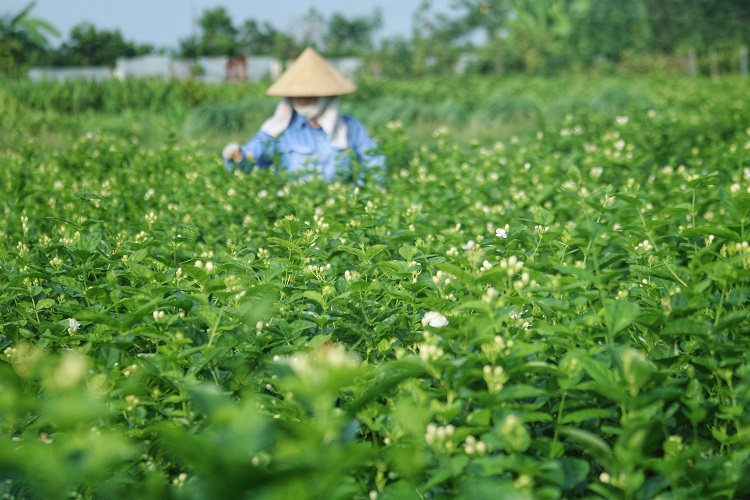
[(559, 316), (228, 118)]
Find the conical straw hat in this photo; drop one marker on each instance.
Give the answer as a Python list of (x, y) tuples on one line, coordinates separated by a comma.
[(311, 76)]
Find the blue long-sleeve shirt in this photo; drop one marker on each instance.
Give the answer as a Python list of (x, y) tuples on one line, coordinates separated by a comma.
[(302, 147)]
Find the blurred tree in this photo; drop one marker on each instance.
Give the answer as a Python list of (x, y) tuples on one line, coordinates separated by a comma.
[(285, 48), (548, 36), (347, 37), (254, 39), (23, 40), (541, 30), (607, 31), (697, 24), (218, 36), (394, 58), (435, 41), (310, 29), (490, 19), (89, 47)]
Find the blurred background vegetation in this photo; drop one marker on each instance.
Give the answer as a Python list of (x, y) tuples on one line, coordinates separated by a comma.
[(479, 109), (496, 37), (469, 70)]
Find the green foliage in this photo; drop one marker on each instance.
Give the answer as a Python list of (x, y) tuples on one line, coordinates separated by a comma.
[(218, 36), (22, 39), (561, 314), (242, 118), (345, 37), (91, 47)]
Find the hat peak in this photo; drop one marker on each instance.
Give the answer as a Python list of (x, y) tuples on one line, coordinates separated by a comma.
[(310, 75)]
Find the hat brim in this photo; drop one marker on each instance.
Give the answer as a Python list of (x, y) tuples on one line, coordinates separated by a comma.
[(311, 76)]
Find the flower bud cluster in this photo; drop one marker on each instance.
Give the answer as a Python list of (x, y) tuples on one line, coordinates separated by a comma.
[(441, 279), (495, 378), (644, 246), (490, 295), (511, 265), (141, 237), (440, 436), (430, 352), (497, 347), (474, 446), (131, 402), (151, 218)]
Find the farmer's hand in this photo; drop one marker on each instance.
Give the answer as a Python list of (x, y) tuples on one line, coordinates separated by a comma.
[(232, 152)]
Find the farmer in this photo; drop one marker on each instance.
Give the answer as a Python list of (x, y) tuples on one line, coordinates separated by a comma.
[(307, 132)]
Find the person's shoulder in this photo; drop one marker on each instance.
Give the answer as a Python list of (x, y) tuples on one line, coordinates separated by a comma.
[(352, 122), (349, 119)]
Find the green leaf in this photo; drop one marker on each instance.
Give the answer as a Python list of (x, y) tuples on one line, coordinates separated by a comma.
[(565, 472), (684, 327), (317, 297), (209, 315), (584, 275), (72, 284), (89, 196), (704, 231), (90, 242), (635, 368), (45, 304), (291, 246), (408, 252), (589, 414), (604, 379), (374, 251), (619, 314), (630, 200), (588, 441), (138, 255), (291, 226), (356, 251), (388, 376), (729, 320), (100, 319), (480, 418), (520, 391), (318, 340), (458, 272)]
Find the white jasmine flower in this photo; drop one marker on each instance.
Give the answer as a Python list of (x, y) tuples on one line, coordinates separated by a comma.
[(73, 325), (434, 319)]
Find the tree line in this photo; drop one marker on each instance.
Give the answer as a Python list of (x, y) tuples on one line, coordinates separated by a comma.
[(539, 37)]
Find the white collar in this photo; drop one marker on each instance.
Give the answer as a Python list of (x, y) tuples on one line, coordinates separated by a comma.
[(330, 121)]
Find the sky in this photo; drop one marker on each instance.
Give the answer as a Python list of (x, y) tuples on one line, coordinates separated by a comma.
[(162, 23)]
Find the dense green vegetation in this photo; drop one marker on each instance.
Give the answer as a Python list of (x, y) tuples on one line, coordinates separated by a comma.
[(560, 312)]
